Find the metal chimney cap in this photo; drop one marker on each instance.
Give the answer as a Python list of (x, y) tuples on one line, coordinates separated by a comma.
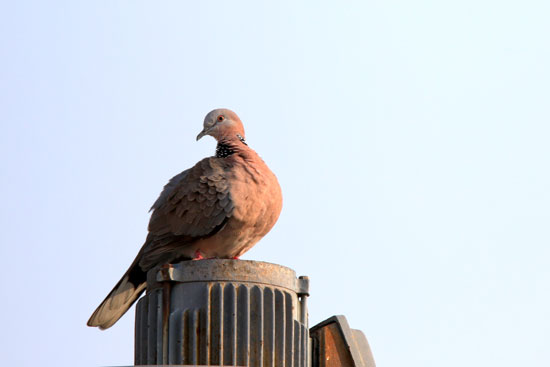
[(209, 270)]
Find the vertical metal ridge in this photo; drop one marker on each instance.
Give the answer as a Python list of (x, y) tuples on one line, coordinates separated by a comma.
[(297, 344), (138, 344), (303, 348), (137, 332), (256, 326), (269, 327), (142, 344), (234, 341), (216, 322), (159, 327), (192, 330), (307, 345), (280, 321), (175, 336), (243, 325), (229, 325), (289, 337), (208, 323), (184, 336), (163, 320), (145, 330), (151, 328), (204, 344)]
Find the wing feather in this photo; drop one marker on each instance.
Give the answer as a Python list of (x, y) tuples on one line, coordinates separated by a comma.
[(194, 204)]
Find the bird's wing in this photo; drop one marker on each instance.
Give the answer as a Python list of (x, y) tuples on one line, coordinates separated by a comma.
[(194, 204), (168, 188)]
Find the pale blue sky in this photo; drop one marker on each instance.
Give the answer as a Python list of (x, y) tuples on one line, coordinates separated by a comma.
[(411, 140)]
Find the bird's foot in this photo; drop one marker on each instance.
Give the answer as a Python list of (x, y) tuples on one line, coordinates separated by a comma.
[(198, 255)]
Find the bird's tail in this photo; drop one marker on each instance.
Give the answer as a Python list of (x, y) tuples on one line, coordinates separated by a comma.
[(121, 298)]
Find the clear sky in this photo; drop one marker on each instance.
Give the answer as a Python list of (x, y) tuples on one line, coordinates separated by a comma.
[(411, 140)]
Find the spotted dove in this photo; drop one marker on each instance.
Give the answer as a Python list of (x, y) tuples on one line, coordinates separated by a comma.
[(219, 208)]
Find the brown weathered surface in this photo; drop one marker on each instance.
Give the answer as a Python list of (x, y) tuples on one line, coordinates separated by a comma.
[(333, 351), (335, 344)]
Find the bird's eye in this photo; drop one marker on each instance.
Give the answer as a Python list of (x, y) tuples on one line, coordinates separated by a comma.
[(221, 118)]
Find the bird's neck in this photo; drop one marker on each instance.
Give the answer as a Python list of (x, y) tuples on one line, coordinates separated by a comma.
[(230, 145)]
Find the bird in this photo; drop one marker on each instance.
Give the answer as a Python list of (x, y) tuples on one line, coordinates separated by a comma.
[(219, 208)]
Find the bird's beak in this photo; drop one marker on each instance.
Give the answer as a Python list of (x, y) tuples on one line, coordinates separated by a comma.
[(202, 133)]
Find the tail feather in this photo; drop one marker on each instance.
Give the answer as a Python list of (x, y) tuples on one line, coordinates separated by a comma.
[(121, 298)]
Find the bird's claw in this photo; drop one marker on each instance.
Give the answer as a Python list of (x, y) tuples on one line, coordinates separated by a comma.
[(198, 255)]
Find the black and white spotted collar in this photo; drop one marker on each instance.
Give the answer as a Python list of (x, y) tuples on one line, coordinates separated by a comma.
[(241, 139)]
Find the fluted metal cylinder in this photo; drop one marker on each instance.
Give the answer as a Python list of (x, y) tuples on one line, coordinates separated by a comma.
[(223, 312)]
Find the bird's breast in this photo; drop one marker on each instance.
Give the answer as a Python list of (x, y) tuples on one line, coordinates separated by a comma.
[(257, 202)]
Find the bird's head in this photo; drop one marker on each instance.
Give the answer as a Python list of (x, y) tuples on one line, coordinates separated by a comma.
[(222, 123)]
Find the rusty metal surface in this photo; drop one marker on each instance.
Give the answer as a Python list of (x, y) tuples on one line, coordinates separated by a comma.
[(223, 312), (228, 270), (335, 344)]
